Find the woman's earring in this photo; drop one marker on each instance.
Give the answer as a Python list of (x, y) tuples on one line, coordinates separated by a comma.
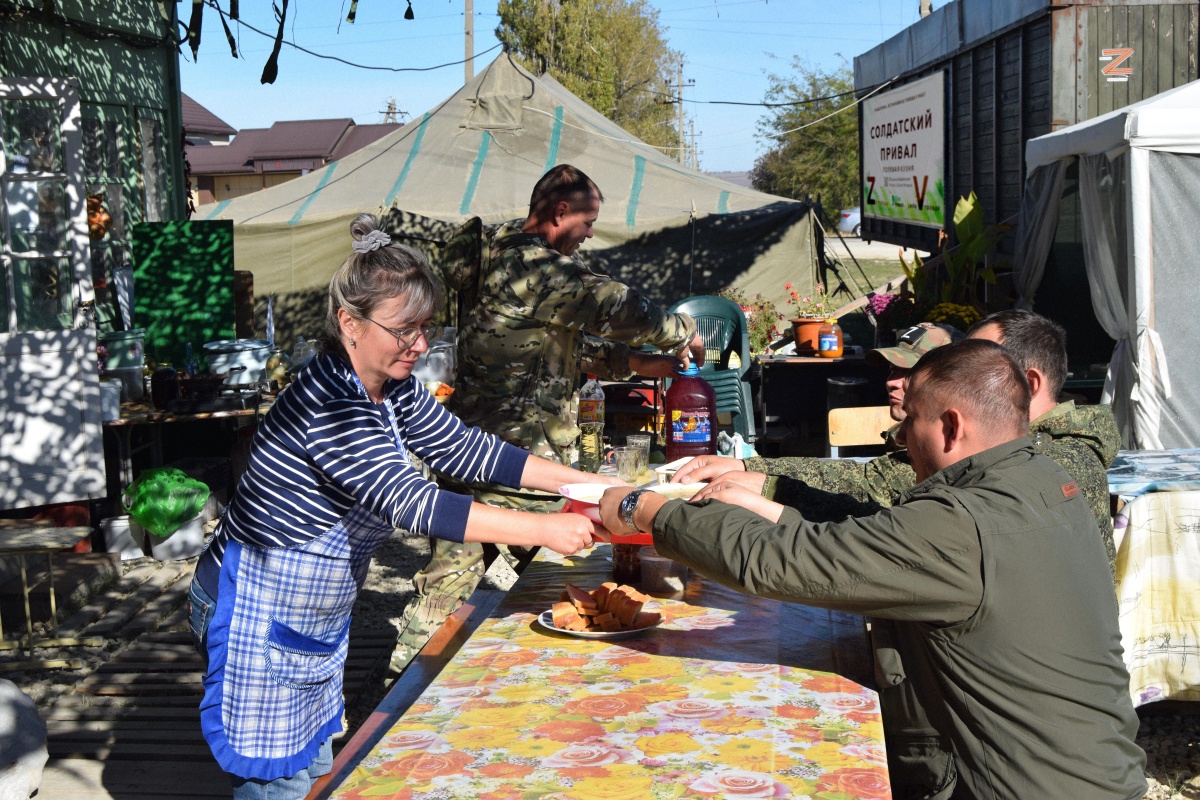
[(354, 344)]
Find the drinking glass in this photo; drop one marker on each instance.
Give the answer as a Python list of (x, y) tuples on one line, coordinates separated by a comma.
[(642, 442), (628, 461)]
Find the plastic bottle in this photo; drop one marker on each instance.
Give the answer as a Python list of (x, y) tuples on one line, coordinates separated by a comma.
[(190, 365), (690, 407), (591, 426), (829, 339)]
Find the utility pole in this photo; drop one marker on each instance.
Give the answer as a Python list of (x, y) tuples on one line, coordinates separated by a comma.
[(468, 41), (679, 86)]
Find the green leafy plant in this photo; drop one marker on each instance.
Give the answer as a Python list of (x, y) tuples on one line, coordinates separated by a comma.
[(959, 316), (761, 315), (965, 264)]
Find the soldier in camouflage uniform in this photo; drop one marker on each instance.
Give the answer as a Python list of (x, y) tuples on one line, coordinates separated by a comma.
[(877, 481), (541, 317), (1083, 439)]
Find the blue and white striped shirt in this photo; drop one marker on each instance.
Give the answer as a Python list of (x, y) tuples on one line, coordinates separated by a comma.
[(324, 448)]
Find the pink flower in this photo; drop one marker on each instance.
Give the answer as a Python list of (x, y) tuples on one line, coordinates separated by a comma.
[(587, 755), (740, 783), (689, 708)]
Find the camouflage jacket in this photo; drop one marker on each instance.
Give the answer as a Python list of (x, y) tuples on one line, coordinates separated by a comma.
[(1083, 439), (540, 319)]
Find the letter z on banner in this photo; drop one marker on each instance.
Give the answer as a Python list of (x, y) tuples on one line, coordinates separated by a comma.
[(904, 154)]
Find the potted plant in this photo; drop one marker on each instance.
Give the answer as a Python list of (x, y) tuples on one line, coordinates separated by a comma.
[(761, 317), (168, 504), (811, 311)]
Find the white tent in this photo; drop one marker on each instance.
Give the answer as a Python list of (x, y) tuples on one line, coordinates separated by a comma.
[(1139, 186), (668, 230)]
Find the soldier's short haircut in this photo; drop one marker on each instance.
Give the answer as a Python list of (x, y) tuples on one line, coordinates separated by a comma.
[(563, 182), (979, 375), (1034, 342), (371, 275)]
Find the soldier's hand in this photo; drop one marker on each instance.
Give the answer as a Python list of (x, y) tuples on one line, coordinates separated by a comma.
[(694, 351), (566, 533), (654, 366), (705, 468), (752, 481), (728, 492)]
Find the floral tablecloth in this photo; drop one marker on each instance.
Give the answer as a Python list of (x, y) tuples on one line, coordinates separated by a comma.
[(723, 700)]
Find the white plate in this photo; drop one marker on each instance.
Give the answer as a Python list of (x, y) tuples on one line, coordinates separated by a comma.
[(547, 621)]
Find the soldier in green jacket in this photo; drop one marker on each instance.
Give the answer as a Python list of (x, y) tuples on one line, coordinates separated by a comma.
[(994, 625), (1083, 439), (542, 316)]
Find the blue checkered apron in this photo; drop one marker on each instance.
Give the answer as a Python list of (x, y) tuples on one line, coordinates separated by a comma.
[(277, 647)]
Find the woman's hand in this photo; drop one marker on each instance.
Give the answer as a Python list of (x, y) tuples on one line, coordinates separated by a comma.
[(728, 492), (566, 533), (547, 476), (705, 468)]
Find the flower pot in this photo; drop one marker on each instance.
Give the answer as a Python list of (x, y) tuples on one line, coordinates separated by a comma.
[(805, 333), (185, 542), (123, 535)]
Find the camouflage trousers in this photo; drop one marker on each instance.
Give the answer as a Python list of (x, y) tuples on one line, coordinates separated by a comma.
[(452, 574)]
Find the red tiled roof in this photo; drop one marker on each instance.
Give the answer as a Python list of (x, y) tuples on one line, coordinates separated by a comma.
[(310, 138), (198, 119), (360, 136), (225, 159)]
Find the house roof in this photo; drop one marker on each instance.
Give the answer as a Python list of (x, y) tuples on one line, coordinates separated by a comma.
[(360, 136), (300, 139), (198, 119), (226, 159)]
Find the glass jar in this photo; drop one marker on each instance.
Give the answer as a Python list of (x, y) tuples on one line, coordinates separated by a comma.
[(829, 339), (279, 369), (164, 386), (627, 566)]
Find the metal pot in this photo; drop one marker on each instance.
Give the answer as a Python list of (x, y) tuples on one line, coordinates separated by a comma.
[(244, 359)]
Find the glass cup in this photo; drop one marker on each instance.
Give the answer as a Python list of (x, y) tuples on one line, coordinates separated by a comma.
[(642, 442), (628, 461)]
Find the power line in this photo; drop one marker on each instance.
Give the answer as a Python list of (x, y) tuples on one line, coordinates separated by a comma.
[(213, 4)]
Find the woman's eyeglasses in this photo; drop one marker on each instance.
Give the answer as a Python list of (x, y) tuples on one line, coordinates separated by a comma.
[(407, 337)]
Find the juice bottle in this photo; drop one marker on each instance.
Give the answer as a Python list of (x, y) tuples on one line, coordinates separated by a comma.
[(690, 408), (829, 339), (591, 426)]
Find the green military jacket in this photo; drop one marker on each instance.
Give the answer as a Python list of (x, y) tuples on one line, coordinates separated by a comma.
[(1083, 439), (539, 320), (997, 650)]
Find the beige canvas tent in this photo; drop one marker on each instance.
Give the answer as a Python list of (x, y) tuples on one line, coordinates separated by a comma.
[(666, 229)]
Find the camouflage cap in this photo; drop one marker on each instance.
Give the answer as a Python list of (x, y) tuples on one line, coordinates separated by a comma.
[(914, 342)]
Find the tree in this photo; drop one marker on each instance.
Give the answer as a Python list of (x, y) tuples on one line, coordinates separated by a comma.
[(609, 53), (821, 159)]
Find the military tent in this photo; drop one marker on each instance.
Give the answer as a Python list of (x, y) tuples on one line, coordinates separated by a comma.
[(665, 229)]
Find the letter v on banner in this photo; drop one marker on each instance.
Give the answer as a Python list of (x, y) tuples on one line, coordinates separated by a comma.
[(920, 190)]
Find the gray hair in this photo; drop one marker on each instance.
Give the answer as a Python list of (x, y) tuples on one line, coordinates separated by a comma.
[(378, 270)]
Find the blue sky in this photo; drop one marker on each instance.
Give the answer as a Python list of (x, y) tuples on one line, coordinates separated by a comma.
[(728, 47)]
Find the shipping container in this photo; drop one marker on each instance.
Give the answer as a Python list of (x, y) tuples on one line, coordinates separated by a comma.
[(1009, 70)]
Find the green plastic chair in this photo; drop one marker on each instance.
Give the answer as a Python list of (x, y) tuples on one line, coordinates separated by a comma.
[(722, 325)]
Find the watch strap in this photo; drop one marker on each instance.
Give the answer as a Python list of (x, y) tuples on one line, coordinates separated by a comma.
[(629, 506)]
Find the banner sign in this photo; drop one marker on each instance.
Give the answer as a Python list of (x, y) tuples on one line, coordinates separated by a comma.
[(904, 153)]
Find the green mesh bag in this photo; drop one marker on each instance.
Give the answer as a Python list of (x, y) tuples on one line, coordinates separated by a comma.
[(163, 498)]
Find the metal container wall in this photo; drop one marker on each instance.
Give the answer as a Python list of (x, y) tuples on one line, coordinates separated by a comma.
[(1016, 70)]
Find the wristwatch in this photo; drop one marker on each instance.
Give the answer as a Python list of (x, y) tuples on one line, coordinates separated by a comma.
[(628, 506)]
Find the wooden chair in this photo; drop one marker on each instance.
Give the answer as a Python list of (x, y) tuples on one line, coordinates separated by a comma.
[(850, 427)]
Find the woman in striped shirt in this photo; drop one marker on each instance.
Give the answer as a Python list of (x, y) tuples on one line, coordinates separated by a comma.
[(330, 478)]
